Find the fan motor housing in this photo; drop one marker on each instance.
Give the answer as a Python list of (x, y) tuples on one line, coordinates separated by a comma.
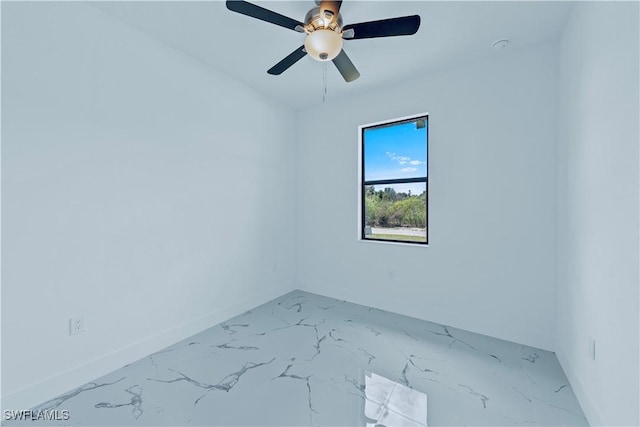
[(318, 18)]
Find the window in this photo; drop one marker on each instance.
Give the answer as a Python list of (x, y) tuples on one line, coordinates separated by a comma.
[(394, 184)]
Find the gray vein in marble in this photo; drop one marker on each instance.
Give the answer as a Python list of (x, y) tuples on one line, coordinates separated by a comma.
[(190, 380), (286, 374), (495, 357), (351, 321), (226, 346), (317, 344), (319, 340), (561, 408), (482, 397), (360, 387), (301, 322), (231, 380), (292, 304), (531, 358), (299, 305), (403, 376), (55, 403), (135, 402), (375, 332), (444, 385), (315, 328), (561, 387), (291, 325), (154, 364), (152, 359), (448, 334), (421, 369), (312, 411), (334, 338), (409, 335), (521, 394), (226, 384), (367, 354), (227, 327)]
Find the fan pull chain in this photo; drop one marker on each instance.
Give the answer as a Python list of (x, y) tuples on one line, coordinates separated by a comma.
[(324, 81)]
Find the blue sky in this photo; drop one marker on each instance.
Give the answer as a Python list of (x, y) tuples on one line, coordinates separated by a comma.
[(398, 151)]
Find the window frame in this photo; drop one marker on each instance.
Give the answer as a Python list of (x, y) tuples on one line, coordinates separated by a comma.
[(362, 183)]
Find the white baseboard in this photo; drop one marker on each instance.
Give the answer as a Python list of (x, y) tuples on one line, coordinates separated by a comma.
[(35, 394), (528, 337), (590, 410)]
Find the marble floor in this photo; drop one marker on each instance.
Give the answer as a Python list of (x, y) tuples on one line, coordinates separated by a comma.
[(307, 360)]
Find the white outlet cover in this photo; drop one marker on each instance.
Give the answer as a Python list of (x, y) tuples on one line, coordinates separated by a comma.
[(77, 325)]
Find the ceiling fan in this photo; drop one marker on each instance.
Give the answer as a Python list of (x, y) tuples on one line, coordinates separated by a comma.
[(325, 33)]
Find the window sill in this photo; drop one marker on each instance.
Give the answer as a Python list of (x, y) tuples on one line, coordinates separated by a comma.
[(424, 245)]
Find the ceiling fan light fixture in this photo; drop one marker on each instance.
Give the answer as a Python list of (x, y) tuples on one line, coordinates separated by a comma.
[(325, 33), (323, 44)]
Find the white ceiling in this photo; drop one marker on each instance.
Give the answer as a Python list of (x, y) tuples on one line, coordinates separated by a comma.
[(451, 32)]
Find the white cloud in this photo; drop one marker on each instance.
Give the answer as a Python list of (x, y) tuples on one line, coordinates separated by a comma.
[(403, 160), (409, 169)]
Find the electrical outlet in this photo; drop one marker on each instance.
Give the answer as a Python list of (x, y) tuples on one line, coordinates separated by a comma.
[(77, 325)]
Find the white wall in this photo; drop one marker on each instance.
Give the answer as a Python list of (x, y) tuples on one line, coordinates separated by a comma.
[(139, 188), (136, 185), (490, 264), (598, 209)]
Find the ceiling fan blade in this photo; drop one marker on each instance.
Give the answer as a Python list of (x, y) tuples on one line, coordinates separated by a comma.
[(287, 62), (403, 26), (346, 67), (254, 11)]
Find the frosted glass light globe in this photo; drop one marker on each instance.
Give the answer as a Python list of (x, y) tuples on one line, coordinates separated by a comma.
[(323, 44)]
